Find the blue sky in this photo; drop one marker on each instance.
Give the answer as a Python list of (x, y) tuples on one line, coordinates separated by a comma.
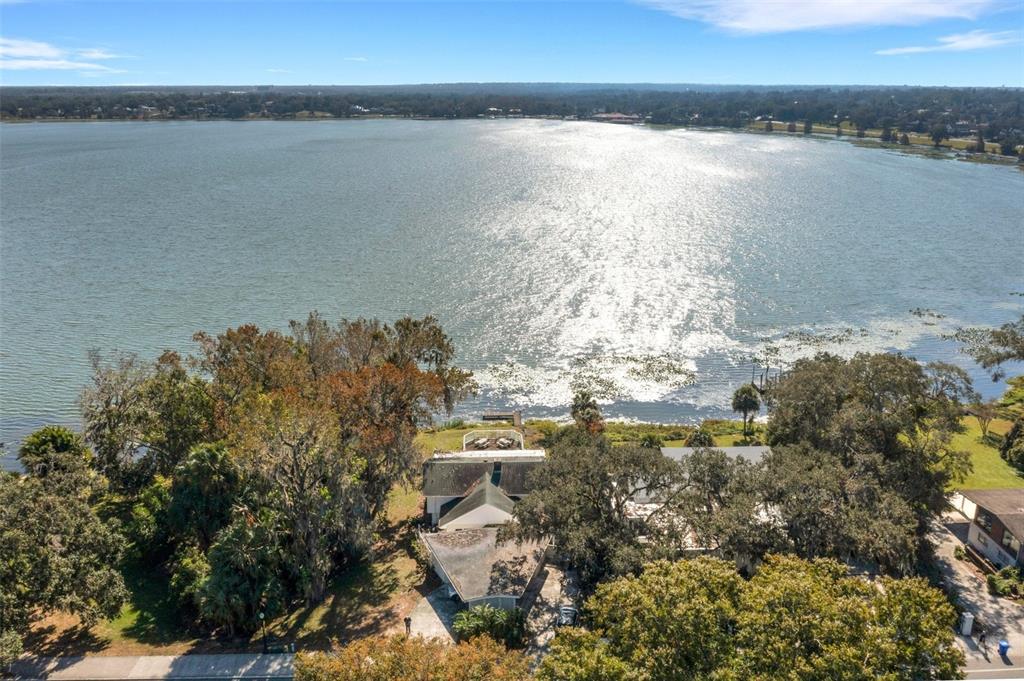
[(893, 42)]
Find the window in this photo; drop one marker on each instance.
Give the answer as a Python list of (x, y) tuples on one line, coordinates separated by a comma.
[(1011, 543), (984, 520), (983, 539)]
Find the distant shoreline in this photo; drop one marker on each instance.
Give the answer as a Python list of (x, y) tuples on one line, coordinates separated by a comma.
[(943, 152)]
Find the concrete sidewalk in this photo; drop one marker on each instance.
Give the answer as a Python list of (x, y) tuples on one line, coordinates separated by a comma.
[(141, 668)]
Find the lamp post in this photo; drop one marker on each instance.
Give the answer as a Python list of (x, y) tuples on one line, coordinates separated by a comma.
[(263, 624)]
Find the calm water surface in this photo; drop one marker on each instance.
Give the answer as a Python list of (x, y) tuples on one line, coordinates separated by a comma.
[(556, 254)]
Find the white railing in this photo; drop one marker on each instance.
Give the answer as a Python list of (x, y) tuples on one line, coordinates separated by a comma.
[(493, 439)]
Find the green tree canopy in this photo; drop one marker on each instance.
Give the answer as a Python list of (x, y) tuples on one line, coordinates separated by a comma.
[(582, 500), (883, 424), (56, 554), (53, 450), (794, 620)]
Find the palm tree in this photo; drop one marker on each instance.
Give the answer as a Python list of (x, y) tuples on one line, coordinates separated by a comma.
[(586, 413), (746, 401)]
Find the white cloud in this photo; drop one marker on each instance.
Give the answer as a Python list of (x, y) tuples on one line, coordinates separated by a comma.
[(97, 53), (32, 55), (356, 59), (52, 65), (961, 42), (28, 49), (778, 16)]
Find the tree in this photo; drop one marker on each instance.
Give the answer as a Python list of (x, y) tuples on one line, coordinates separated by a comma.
[(290, 445), (794, 619), (904, 140), (992, 348), (808, 127), (586, 413), (791, 127), (53, 450), (55, 552), (1012, 449), (721, 508), (581, 499), (938, 133), (768, 126), (747, 401), (505, 626), (888, 423), (861, 132), (578, 655), (809, 620), (204, 488), (985, 412), (143, 419), (886, 134), (979, 144), (399, 658), (243, 575)]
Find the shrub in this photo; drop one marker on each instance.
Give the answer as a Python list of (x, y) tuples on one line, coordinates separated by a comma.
[(421, 555), (507, 626), (1008, 582), (651, 441), (700, 438), (959, 553), (452, 424), (189, 572)]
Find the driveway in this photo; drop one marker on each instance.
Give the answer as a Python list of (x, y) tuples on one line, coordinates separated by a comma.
[(554, 588), (433, 615), (1002, 619)]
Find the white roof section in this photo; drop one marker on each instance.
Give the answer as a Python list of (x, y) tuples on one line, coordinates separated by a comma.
[(493, 454), (751, 454)]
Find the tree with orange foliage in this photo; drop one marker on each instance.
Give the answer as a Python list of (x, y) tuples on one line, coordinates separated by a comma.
[(400, 658)]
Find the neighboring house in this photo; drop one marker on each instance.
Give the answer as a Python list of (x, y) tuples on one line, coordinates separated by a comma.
[(469, 495), (997, 523)]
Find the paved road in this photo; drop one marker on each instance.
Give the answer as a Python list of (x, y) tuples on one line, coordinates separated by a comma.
[(145, 668), (1003, 619)]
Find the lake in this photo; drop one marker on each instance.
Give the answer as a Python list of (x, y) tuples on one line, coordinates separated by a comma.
[(650, 265)]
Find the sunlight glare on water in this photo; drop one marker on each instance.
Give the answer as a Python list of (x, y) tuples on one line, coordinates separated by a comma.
[(647, 265)]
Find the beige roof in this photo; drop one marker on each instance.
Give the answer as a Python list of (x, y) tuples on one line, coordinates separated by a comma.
[(478, 566)]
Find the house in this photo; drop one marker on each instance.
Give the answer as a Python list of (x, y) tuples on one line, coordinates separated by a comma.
[(469, 495), (997, 523)]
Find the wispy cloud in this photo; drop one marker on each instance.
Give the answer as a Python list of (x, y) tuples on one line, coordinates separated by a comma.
[(98, 53), (779, 16), (961, 42), (356, 59), (52, 65), (33, 55)]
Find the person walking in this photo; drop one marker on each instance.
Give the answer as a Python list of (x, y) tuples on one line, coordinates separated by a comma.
[(983, 640)]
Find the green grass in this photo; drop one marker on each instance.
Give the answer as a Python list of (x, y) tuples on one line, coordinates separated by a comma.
[(990, 471)]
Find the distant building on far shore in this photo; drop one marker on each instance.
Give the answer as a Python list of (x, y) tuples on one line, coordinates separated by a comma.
[(616, 117)]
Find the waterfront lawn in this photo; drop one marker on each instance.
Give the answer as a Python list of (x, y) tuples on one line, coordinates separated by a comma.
[(990, 471)]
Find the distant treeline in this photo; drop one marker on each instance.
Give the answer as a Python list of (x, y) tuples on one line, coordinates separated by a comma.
[(995, 112)]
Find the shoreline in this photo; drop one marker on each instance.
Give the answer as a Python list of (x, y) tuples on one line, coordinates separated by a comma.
[(942, 152)]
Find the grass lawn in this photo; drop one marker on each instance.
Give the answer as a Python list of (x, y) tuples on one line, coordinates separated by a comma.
[(990, 471), (849, 130)]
